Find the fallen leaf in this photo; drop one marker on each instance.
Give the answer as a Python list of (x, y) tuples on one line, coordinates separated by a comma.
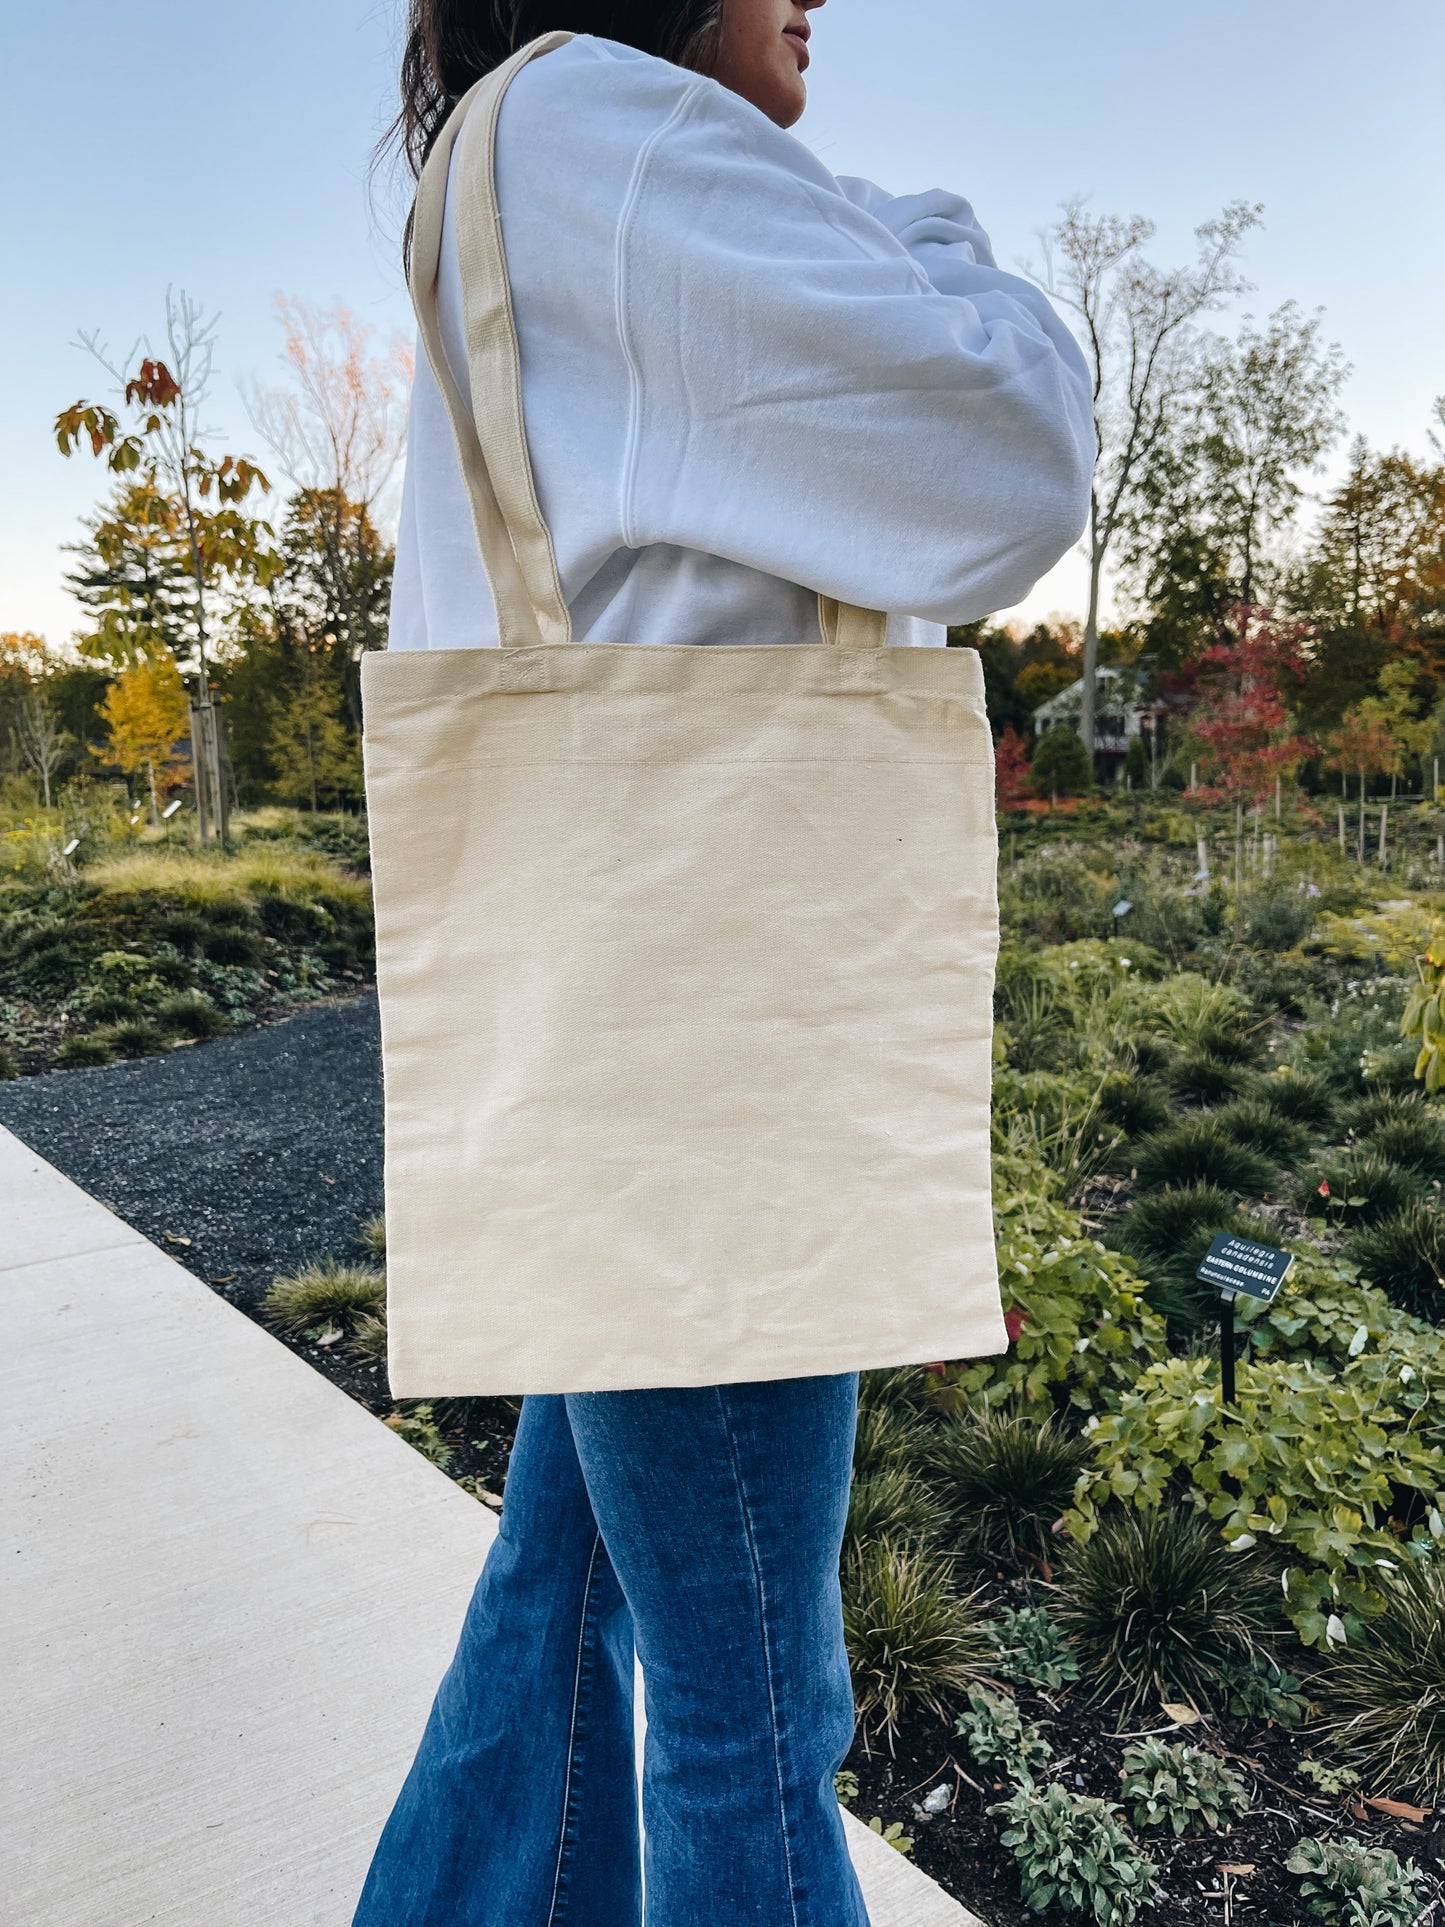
[(1401, 1810), (1357, 1811), (174, 1238), (330, 1335), (1240, 1873), (229, 1279), (1182, 1715)]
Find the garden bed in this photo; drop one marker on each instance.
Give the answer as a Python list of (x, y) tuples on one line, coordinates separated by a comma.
[(1205, 1059)]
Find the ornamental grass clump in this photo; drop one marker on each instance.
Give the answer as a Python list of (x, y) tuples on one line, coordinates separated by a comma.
[(1073, 1854), (998, 1735), (912, 1640), (1251, 1121), (1167, 1233), (893, 1502), (1415, 1138), (1159, 1610), (1358, 1186), (1404, 1254), (1344, 1883), (1385, 1691), (1198, 1077), (1181, 1788), (323, 1295), (1299, 1095), (1006, 1480), (1134, 1105), (1201, 1151), (191, 1015)]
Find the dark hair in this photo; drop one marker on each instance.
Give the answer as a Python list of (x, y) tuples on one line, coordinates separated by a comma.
[(451, 44)]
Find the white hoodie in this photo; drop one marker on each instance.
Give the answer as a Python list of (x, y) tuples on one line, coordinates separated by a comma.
[(745, 382)]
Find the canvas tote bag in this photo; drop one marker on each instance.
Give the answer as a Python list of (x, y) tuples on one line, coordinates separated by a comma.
[(685, 958)]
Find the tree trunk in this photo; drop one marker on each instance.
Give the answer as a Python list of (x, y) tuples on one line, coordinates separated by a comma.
[(1091, 643)]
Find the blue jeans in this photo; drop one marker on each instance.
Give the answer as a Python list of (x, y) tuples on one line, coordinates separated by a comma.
[(705, 1526)]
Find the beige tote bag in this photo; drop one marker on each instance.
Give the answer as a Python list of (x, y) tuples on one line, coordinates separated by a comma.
[(685, 959)]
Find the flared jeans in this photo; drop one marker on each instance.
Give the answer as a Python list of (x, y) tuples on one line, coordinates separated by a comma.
[(700, 1529)]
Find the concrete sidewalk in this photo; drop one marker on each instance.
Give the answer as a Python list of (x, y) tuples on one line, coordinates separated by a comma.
[(228, 1596)]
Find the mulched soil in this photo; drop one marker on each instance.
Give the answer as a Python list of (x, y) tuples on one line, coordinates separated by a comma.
[(250, 1156), (959, 1847)]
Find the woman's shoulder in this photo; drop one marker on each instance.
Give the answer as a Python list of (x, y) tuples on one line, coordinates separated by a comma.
[(595, 96)]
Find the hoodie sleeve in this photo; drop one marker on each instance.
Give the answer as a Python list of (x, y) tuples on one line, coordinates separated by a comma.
[(837, 387)]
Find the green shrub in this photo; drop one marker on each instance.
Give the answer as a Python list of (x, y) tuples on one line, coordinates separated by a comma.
[(893, 1502), (1386, 1689), (1326, 1314), (421, 1432), (1347, 1884), (1086, 1327), (1006, 1480), (1336, 1465), (324, 1294), (912, 1640), (85, 1053), (1073, 1854), (373, 1237), (9, 1064), (368, 1337), (1198, 1077), (1298, 1095), (1278, 921), (1252, 1121), (1200, 1151), (227, 945), (890, 1430), (107, 1006), (1029, 1649), (997, 1734), (1414, 1139), (1358, 1186), (1404, 1254), (191, 1015), (1060, 764), (1181, 1788), (138, 1037), (1133, 1104), (1157, 1607)]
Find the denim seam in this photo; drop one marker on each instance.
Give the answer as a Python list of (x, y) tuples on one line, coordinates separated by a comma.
[(757, 1566), (558, 1895)]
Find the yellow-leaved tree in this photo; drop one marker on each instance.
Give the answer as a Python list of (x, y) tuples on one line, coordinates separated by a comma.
[(146, 714)]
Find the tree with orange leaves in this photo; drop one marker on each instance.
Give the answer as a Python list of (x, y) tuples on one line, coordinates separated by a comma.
[(145, 713)]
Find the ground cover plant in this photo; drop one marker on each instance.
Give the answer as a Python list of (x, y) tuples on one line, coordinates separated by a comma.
[(151, 945)]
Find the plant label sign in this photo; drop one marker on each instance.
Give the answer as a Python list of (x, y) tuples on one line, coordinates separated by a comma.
[(1236, 1265)]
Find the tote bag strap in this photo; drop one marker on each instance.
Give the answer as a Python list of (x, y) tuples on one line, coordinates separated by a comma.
[(515, 542)]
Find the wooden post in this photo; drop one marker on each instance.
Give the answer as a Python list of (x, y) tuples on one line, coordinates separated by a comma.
[(1194, 776), (1278, 799), (1342, 829), (1238, 845), (1384, 819), (1360, 852)]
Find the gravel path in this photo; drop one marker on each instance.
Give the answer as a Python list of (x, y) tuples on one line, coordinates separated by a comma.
[(264, 1149)]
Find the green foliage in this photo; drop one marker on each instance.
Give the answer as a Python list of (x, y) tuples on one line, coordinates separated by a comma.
[(912, 1640), (845, 1785), (1253, 1121), (1334, 1465), (1087, 1324), (191, 1014), (1060, 765), (1299, 1095), (1386, 1689), (1358, 1186), (329, 1293), (1006, 1480), (1347, 1884), (1156, 1607), (1424, 1019), (1073, 1854), (1167, 1233), (1135, 1104), (9, 1064), (1182, 1788), (1278, 919), (997, 1734), (892, 1501), (1029, 1649), (368, 1337), (84, 1053), (373, 1237), (1327, 1315), (1404, 1254), (422, 1433), (1202, 1151), (1199, 1077), (1414, 1138), (893, 1834), (1331, 1780)]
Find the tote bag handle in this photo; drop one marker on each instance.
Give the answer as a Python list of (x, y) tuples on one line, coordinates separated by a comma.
[(515, 543)]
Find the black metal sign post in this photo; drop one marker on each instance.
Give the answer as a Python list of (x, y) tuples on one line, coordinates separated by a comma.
[(1236, 1266)]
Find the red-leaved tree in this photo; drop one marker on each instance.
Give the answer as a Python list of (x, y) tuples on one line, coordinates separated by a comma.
[(1011, 769), (1241, 724)]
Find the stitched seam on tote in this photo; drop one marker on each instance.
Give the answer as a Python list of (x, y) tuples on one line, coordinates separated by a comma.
[(767, 1650), (631, 454), (572, 1728)]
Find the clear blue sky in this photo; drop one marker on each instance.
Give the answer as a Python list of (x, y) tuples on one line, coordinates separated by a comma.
[(226, 150)]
